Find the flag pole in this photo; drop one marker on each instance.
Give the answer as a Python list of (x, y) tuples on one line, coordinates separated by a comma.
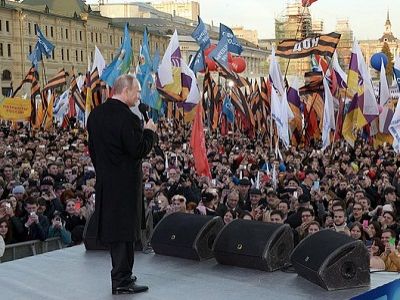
[(297, 31)]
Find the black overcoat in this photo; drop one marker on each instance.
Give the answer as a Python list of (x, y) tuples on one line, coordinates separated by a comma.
[(117, 144)]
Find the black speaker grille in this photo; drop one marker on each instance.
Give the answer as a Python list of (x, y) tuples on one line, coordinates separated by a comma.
[(314, 250)]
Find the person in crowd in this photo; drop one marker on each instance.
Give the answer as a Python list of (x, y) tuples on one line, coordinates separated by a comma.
[(311, 228), (339, 222), (74, 220), (6, 231), (229, 216), (35, 225), (357, 231), (57, 229), (375, 251)]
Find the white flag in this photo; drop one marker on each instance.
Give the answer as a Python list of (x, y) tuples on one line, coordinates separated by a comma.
[(98, 61), (384, 96), (329, 116), (165, 67), (394, 129)]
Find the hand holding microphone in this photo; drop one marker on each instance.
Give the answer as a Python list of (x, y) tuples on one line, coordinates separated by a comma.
[(150, 125), (143, 108)]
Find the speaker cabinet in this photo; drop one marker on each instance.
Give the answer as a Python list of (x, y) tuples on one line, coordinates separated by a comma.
[(90, 235), (186, 235), (254, 244), (332, 260)]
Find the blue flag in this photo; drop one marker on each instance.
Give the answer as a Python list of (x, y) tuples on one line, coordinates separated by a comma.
[(122, 61), (149, 93), (228, 110), (220, 53), (396, 73), (35, 56), (197, 63), (201, 36), (145, 48), (156, 60), (233, 44), (45, 46)]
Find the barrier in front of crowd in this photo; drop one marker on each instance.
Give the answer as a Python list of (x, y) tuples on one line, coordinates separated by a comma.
[(31, 248)]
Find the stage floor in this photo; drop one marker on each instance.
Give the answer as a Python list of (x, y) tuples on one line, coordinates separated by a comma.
[(73, 273)]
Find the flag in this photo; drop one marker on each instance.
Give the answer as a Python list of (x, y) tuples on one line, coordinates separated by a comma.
[(228, 110), (329, 116), (396, 70), (35, 56), (279, 114), (57, 81), (341, 76), (220, 53), (201, 36), (233, 44), (48, 118), (198, 62), (45, 46), (198, 144), (98, 61), (156, 61), (384, 96), (296, 124), (275, 74), (353, 121), (394, 129), (306, 3), (169, 71), (324, 45), (76, 94), (238, 80), (61, 105), (146, 49), (89, 99), (122, 61), (149, 94)]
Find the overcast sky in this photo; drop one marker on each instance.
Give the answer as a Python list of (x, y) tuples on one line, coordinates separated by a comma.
[(367, 17)]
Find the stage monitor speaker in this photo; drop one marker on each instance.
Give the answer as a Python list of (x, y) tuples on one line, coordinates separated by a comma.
[(90, 237), (186, 235), (332, 260), (254, 244)]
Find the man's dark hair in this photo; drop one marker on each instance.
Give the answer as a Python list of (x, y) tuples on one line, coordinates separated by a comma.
[(311, 211), (31, 201), (277, 212)]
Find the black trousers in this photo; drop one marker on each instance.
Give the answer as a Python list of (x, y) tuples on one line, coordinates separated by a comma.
[(122, 258)]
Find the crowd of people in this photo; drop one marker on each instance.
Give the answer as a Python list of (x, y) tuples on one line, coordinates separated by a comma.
[(47, 187)]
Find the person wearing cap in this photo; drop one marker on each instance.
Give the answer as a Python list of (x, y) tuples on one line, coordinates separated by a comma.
[(206, 206), (255, 200)]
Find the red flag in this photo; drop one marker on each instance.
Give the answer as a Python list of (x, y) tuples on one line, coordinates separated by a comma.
[(198, 144), (307, 2)]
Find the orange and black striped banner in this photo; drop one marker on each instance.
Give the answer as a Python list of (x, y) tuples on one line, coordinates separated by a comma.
[(58, 80), (324, 45)]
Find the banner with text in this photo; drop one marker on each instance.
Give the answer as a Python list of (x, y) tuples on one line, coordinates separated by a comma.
[(15, 109), (320, 44)]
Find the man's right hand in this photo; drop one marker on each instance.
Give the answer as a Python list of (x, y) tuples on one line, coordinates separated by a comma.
[(150, 125)]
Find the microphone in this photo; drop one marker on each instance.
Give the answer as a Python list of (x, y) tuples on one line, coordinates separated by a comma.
[(144, 108)]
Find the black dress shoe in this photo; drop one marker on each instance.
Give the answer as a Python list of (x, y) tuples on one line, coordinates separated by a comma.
[(130, 289)]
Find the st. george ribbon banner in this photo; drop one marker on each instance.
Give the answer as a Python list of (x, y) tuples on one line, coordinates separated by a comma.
[(320, 44)]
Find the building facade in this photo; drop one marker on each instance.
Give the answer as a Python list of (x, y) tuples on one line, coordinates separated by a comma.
[(71, 26), (246, 34), (185, 9)]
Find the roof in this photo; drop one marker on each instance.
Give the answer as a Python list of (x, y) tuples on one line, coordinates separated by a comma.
[(388, 37), (60, 7)]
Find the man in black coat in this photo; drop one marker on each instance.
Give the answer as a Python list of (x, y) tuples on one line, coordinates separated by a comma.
[(117, 145)]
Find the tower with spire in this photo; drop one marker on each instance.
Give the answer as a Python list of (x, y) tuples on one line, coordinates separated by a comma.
[(388, 36)]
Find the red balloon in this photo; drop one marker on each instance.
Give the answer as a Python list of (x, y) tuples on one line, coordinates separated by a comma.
[(209, 49), (238, 64), (230, 57), (212, 66)]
